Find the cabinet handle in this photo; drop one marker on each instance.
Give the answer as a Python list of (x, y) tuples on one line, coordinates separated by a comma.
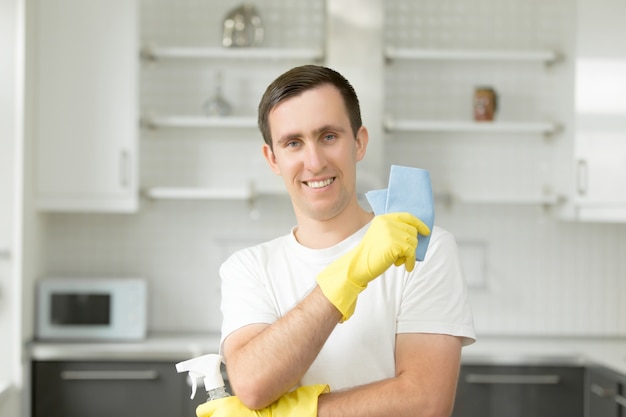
[(601, 391), (511, 379), (124, 168), (621, 400), (147, 375), (581, 180)]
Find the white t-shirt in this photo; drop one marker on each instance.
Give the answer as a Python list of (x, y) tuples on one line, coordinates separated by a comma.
[(262, 283)]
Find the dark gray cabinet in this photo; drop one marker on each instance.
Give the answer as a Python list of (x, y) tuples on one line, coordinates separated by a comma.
[(113, 388), (105, 389), (520, 391), (605, 393)]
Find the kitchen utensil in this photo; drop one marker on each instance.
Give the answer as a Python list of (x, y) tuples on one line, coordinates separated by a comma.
[(243, 27), (217, 105)]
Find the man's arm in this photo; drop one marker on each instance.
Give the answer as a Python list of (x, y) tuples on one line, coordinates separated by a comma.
[(427, 370), (265, 361)]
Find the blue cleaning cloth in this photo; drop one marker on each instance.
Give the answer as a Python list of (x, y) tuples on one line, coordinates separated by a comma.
[(378, 200), (409, 190)]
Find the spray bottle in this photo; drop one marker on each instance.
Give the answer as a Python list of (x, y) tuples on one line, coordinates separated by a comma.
[(207, 367)]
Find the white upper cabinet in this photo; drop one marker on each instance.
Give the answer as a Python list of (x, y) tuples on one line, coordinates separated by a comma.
[(600, 111), (86, 60)]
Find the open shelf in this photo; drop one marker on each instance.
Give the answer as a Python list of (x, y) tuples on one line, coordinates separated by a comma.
[(197, 193), (248, 193), (155, 122), (392, 53), (209, 193), (495, 199), (153, 52), (443, 126)]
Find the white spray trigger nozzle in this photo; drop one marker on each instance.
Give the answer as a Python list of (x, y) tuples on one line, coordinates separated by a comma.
[(205, 366)]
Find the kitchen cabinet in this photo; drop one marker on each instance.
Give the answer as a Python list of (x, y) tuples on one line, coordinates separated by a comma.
[(600, 112), (604, 393), (86, 90), (92, 388), (524, 390)]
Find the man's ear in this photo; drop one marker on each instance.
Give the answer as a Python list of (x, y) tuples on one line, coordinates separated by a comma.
[(362, 138), (271, 159)]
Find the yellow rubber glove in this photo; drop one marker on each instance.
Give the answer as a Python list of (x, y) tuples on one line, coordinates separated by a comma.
[(301, 402), (390, 240)]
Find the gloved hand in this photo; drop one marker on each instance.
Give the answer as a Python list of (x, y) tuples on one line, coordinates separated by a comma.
[(390, 240), (301, 402)]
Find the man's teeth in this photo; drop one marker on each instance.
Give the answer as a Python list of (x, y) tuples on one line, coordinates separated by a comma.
[(320, 184)]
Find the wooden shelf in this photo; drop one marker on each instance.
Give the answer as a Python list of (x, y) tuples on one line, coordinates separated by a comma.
[(443, 126), (548, 57), (155, 122), (153, 52)]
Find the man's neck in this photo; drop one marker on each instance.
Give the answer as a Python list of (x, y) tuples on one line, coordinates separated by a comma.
[(320, 234)]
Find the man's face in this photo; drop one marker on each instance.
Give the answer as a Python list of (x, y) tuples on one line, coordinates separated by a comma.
[(315, 152)]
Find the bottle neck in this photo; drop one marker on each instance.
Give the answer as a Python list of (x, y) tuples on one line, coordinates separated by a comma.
[(217, 393)]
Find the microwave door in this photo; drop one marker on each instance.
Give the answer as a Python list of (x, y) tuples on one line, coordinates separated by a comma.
[(80, 309)]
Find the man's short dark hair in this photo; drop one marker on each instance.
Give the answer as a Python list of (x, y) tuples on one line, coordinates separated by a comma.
[(300, 79)]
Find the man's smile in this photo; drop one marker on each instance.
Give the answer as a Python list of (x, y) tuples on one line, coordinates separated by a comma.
[(320, 184)]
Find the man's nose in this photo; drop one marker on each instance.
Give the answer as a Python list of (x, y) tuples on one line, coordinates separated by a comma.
[(314, 157)]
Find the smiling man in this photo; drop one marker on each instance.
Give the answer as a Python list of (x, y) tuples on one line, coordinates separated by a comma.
[(294, 338)]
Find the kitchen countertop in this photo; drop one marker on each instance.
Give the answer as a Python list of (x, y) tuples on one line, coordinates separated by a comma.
[(158, 347), (492, 350), (511, 350)]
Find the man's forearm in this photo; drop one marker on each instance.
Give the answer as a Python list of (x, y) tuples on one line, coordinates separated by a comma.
[(390, 397), (427, 371), (265, 365)]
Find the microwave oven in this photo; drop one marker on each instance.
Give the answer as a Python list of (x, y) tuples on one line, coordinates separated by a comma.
[(91, 309)]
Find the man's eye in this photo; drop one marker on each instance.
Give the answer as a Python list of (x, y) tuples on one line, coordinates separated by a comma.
[(329, 136), (292, 143)]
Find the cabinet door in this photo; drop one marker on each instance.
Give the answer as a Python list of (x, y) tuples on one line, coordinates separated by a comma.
[(105, 389), (601, 387), (600, 111), (519, 391), (86, 104)]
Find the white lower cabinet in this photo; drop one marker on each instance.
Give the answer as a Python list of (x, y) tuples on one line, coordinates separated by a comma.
[(85, 103)]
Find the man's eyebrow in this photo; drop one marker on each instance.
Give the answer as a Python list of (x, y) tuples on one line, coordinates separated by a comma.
[(329, 128), (288, 137), (317, 132)]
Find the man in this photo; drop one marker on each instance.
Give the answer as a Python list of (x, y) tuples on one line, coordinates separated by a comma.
[(294, 338)]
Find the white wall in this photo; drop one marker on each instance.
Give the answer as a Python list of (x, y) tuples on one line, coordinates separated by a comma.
[(537, 275), (11, 56)]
